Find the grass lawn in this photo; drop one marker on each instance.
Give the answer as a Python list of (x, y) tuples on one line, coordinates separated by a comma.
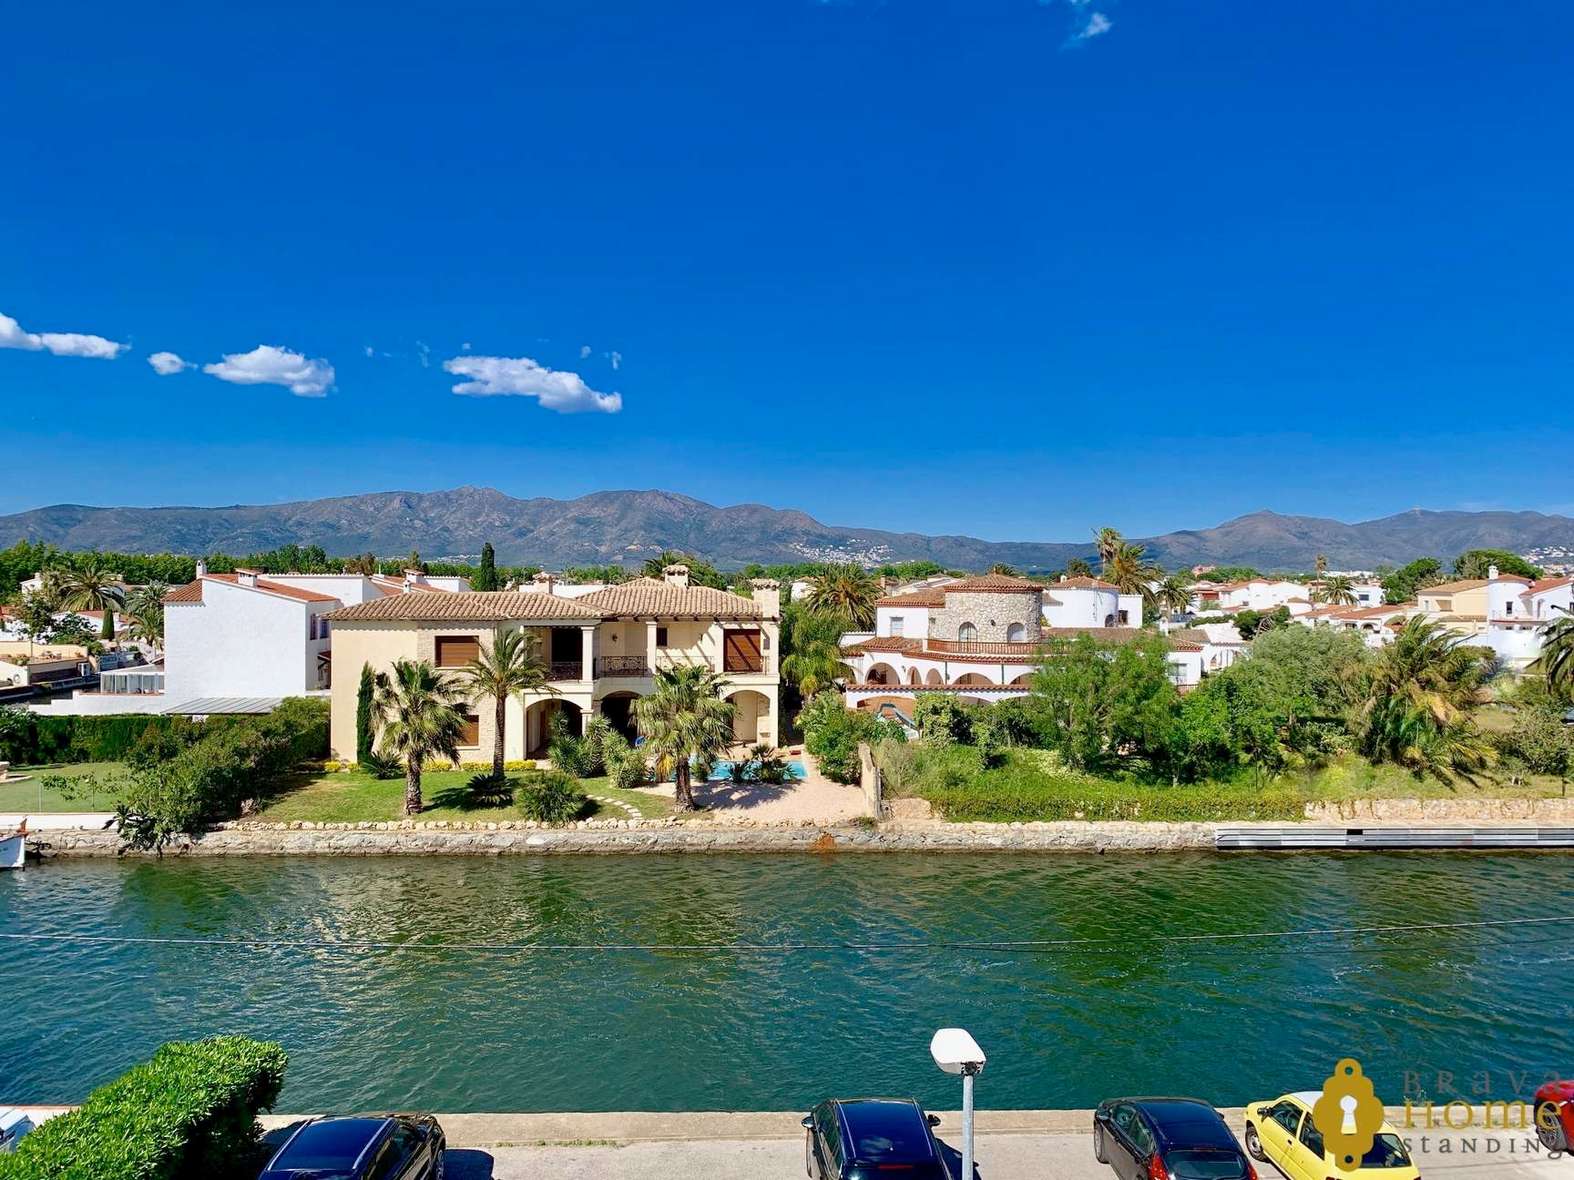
[(352, 797), (1030, 785), (25, 796)]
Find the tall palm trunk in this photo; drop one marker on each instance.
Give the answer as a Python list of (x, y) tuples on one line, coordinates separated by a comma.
[(412, 786), (682, 792), (497, 736)]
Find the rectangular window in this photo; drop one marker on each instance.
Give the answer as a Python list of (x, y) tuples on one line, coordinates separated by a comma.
[(896, 624), (1125, 619), (455, 651), (470, 734), (661, 637)]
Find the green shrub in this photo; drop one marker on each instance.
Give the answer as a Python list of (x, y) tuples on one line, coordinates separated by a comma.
[(942, 719), (552, 797), (189, 1113), (489, 790), (832, 733), (1539, 742)]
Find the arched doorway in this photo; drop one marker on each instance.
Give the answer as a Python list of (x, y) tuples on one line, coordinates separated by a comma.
[(539, 719), (973, 678), (912, 676), (1016, 633), (933, 677), (751, 717), (883, 674), (1025, 679), (618, 709)]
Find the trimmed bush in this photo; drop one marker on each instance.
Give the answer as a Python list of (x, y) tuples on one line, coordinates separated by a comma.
[(188, 1113), (551, 797)]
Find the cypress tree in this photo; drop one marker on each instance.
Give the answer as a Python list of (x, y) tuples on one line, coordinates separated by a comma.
[(487, 578), (363, 717)]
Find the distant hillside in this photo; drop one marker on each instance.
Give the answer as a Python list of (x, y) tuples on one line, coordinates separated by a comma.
[(628, 526)]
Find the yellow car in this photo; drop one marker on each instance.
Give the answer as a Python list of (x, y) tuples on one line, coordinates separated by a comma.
[(1282, 1133)]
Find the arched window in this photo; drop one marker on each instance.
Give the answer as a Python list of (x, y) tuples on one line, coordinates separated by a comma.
[(1016, 633), (967, 633), (1109, 620)]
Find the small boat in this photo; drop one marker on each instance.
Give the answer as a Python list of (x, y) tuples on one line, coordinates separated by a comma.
[(13, 848)]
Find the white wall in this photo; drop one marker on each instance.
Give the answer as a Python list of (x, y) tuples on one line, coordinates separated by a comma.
[(914, 621), (1081, 606), (240, 642)]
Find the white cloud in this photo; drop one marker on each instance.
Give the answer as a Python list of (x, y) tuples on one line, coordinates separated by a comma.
[(165, 363), (584, 351), (423, 352), (465, 347), (502, 376), (269, 365), (369, 350), (1097, 25), (616, 358), (59, 343)]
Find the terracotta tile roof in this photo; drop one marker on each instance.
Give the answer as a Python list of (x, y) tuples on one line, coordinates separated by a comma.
[(992, 583), (475, 606), (888, 643), (192, 591), (1546, 584), (653, 598), (933, 599), (904, 690)]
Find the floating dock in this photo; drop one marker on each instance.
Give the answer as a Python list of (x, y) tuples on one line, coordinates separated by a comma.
[(1243, 837)]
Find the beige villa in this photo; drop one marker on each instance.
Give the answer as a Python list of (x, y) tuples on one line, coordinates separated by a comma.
[(601, 649)]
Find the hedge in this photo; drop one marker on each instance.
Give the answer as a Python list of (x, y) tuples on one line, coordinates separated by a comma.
[(32, 739), (188, 1113)]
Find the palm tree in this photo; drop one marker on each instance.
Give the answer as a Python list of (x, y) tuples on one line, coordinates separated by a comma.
[(89, 585), (1335, 591), (685, 718), (1556, 661), (1004, 570), (512, 665), (1417, 700), (1109, 542), (1321, 565), (1077, 568), (145, 610), (417, 710), (1128, 568), (1173, 594), (814, 659), (848, 591)]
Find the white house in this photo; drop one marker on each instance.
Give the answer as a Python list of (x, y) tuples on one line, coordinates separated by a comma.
[(983, 638), (1259, 594)]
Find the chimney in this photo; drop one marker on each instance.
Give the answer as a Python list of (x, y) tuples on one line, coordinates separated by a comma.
[(767, 593), (543, 582), (1491, 573), (676, 575), (247, 577), (1062, 577), (202, 568), (413, 580)]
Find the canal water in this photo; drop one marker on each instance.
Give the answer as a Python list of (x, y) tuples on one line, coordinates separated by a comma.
[(833, 995)]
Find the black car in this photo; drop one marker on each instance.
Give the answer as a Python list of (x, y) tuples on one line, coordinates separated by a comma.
[(1167, 1139), (870, 1138), (388, 1147)]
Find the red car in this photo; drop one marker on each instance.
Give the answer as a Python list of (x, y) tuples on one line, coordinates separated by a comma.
[(1555, 1115)]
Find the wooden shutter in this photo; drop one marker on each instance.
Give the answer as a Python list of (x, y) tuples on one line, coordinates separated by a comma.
[(741, 651), (470, 735), (455, 651)]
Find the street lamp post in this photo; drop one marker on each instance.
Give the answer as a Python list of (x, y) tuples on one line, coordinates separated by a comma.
[(956, 1052)]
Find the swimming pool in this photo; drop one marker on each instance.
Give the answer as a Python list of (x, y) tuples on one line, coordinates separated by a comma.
[(722, 771)]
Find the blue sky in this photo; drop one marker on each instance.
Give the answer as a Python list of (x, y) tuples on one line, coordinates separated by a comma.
[(1000, 267)]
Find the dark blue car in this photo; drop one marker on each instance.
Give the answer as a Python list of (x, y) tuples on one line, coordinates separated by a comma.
[(870, 1138), (391, 1147), (1167, 1139)]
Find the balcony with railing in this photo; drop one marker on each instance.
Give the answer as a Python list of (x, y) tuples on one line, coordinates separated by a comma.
[(565, 670), (974, 647), (622, 666)]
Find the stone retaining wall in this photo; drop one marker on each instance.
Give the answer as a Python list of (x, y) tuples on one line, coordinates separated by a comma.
[(1547, 812), (648, 836)]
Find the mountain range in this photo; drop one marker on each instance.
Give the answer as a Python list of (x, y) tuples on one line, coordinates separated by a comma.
[(629, 526)]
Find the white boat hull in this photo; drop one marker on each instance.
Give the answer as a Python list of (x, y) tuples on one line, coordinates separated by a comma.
[(13, 852)]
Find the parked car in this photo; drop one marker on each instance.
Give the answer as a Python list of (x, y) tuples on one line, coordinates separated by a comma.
[(1555, 1115), (388, 1147), (871, 1139), (1283, 1133), (1167, 1139)]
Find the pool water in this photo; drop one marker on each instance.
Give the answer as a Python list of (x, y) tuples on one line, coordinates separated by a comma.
[(722, 771)]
